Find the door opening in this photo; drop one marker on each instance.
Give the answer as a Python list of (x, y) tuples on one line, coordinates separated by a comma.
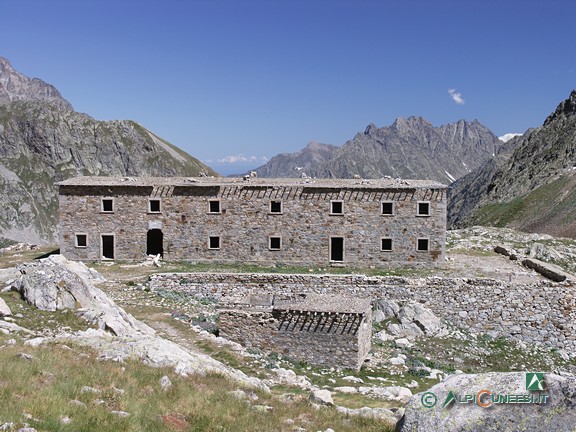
[(154, 242), (107, 246), (337, 249)]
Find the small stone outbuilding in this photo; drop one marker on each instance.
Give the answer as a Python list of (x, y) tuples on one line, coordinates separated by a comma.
[(327, 330)]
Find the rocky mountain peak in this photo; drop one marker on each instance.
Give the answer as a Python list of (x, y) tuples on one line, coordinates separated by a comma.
[(411, 123), (566, 108), (371, 128), (15, 86)]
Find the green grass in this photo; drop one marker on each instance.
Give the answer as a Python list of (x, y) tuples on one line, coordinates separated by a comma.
[(39, 392), (38, 320), (536, 206)]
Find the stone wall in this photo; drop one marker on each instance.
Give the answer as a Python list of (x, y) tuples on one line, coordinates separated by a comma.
[(329, 339), (245, 223), (542, 313)]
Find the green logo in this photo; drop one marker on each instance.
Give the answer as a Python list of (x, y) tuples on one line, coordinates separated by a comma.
[(428, 399), (535, 381), (449, 399)]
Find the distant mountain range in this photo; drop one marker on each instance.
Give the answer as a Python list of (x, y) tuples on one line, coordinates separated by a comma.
[(529, 185), (43, 140), (409, 148)]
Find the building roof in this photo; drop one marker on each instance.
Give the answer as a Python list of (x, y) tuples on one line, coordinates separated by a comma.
[(327, 303), (252, 181)]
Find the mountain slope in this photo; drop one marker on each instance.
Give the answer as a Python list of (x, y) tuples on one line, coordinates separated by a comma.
[(43, 141), (532, 188), (409, 148), (290, 165)]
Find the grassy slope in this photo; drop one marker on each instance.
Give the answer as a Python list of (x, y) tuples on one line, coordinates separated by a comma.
[(549, 209)]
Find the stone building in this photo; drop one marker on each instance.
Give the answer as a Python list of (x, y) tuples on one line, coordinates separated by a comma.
[(325, 330), (312, 222)]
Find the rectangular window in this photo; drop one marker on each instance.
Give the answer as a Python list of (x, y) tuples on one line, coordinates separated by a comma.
[(386, 244), (107, 205), (214, 242), (336, 207), (422, 244), (214, 206), (153, 206), (81, 240), (423, 208), (274, 243), (275, 206), (387, 208)]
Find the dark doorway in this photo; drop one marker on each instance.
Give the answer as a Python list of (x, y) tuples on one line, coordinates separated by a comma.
[(108, 246), (154, 242), (337, 249)]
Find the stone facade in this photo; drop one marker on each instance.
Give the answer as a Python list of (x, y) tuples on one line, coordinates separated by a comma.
[(356, 223), (332, 331), (539, 313)]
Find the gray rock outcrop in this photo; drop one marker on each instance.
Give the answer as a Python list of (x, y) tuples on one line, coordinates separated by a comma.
[(55, 283), (415, 320), (557, 414)]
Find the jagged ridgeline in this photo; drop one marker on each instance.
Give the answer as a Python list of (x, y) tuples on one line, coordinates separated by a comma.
[(43, 141), (531, 183), (409, 148)]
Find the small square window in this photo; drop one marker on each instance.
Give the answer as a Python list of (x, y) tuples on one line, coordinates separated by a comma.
[(336, 207), (386, 244), (107, 205), (214, 206), (387, 208), (423, 208), (154, 206), (422, 244), (213, 242), (274, 243), (275, 206), (81, 240)]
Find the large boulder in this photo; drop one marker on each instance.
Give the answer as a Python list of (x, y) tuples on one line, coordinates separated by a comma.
[(414, 313), (4, 309), (443, 407), (56, 283)]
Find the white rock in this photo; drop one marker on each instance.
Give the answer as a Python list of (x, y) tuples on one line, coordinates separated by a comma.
[(165, 382), (346, 389), (412, 384), (402, 342), (396, 361), (321, 397), (352, 379), (4, 309), (378, 316)]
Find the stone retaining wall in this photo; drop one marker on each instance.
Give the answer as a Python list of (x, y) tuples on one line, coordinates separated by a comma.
[(544, 312), (329, 339)]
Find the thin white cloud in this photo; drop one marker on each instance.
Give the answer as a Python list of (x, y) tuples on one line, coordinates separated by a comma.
[(456, 97), (241, 158)]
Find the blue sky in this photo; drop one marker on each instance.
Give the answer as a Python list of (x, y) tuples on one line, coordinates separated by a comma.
[(232, 80)]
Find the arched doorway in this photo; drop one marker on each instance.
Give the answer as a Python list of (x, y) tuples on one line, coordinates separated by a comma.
[(154, 242)]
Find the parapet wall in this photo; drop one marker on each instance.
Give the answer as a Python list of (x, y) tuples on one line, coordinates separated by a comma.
[(543, 312)]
